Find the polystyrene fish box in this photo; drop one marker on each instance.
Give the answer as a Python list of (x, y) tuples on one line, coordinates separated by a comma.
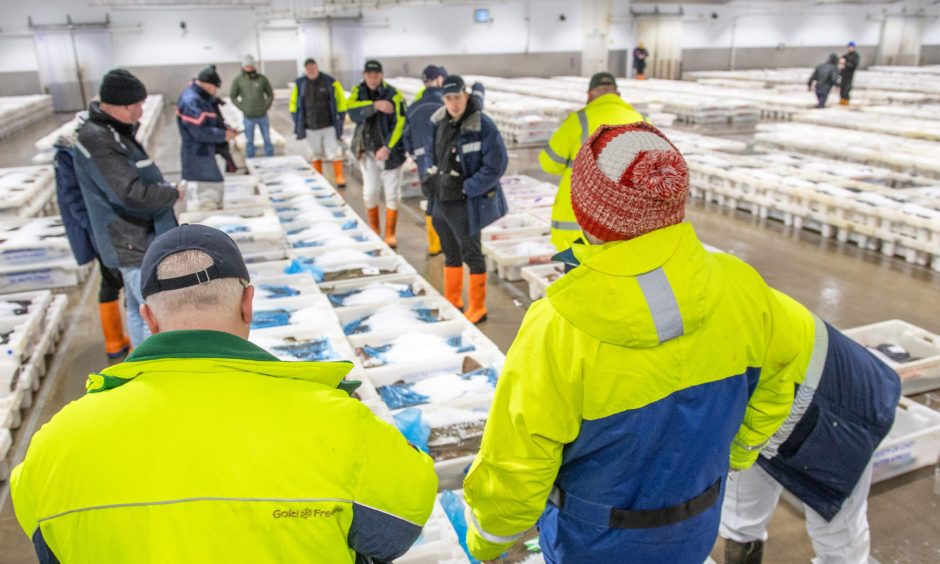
[(257, 232), (349, 293), (332, 236), (244, 192), (25, 190), (33, 242), (302, 311), (912, 443), (920, 372), (6, 444), (372, 268), (396, 317), (438, 542), (62, 273), (515, 226), (285, 286), (11, 417), (509, 256), (541, 276), (417, 347), (21, 320), (288, 163), (346, 218)]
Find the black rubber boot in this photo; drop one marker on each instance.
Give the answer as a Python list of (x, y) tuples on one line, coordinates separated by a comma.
[(744, 552)]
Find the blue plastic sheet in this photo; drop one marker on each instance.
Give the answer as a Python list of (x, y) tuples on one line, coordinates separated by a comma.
[(301, 265), (454, 508), (274, 291), (316, 349), (413, 428), (270, 318), (399, 396), (231, 229), (351, 224)]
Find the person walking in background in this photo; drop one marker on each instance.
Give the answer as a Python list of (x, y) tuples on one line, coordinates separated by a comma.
[(852, 62), (129, 203), (252, 94), (201, 129), (605, 106), (379, 112), (180, 453), (466, 159), (318, 108), (78, 230), (640, 54), (823, 79)]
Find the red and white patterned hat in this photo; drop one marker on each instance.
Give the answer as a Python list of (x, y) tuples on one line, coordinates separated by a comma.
[(628, 180)]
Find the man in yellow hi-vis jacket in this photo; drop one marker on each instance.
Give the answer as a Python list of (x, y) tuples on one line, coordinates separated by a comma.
[(605, 107), (203, 447), (647, 368)]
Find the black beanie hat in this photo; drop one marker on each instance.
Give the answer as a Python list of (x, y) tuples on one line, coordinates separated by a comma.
[(209, 75), (121, 88)]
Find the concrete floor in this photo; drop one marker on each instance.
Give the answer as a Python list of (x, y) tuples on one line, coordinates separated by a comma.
[(843, 284)]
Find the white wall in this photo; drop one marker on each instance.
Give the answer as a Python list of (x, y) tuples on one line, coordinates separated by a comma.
[(223, 35)]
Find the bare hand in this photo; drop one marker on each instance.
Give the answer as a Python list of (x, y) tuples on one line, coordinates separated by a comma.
[(181, 188), (230, 134), (383, 154), (384, 106)]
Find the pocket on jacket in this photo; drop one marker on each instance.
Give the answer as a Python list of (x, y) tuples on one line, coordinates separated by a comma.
[(835, 452), (129, 240)]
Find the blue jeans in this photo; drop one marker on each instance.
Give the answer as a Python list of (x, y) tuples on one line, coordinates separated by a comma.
[(264, 124), (133, 298)]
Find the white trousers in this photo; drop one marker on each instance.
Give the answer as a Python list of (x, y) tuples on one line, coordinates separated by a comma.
[(375, 180), (324, 145), (752, 495)]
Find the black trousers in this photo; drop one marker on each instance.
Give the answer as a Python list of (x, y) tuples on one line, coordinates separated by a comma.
[(452, 223), (846, 87), (111, 283)]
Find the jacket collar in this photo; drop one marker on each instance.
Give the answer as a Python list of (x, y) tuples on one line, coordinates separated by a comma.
[(97, 115), (199, 90), (611, 98), (471, 124), (206, 351)]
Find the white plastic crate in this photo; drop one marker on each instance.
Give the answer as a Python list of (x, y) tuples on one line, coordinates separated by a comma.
[(438, 542), (374, 269), (257, 232), (244, 192), (416, 284), (33, 242), (912, 443), (280, 164), (25, 191), (446, 312), (509, 256), (515, 226), (917, 375), (302, 311), (11, 416), (6, 445), (303, 284), (540, 277), (22, 330), (471, 336)]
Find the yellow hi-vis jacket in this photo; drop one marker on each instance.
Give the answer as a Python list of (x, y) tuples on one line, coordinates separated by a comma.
[(558, 157), (202, 447), (644, 371)]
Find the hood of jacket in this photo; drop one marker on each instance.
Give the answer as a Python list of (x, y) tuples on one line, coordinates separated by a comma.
[(833, 59), (608, 296)]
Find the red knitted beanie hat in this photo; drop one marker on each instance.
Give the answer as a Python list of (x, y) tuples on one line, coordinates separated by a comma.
[(628, 180)]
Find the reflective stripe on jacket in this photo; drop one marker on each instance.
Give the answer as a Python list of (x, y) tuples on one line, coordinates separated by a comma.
[(201, 129), (631, 385), (299, 112), (361, 109), (202, 447), (558, 157)]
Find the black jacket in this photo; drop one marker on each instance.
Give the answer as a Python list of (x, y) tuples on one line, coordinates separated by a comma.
[(826, 75), (852, 60), (129, 203)]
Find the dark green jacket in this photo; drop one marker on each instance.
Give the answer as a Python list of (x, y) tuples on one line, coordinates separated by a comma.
[(253, 96)]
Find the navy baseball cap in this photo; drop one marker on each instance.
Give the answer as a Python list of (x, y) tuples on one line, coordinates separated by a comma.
[(454, 84), (227, 261), (431, 72), (373, 66), (602, 79)]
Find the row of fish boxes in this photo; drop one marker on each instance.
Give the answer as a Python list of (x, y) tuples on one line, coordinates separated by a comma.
[(26, 191), (19, 112), (870, 220), (31, 326), (35, 254)]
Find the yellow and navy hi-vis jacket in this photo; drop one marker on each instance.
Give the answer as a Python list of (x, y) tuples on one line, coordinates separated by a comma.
[(391, 126), (298, 111), (558, 157), (202, 447), (631, 385)]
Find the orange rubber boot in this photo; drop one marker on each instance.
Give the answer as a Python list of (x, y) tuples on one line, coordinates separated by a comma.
[(476, 313), (338, 172), (391, 222), (318, 165), (374, 219), (116, 342), (453, 285)]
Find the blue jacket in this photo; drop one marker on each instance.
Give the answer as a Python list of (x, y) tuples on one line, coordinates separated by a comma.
[(418, 126), (72, 207), (299, 113), (842, 411), (201, 129), (483, 157), (128, 201)]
